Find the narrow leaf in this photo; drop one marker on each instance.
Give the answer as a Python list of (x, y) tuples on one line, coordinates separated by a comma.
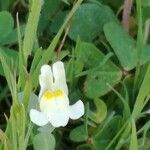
[(133, 141)]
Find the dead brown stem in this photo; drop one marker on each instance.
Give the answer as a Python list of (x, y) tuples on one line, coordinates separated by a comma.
[(126, 14)]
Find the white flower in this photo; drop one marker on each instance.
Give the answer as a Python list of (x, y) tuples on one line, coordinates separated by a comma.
[(53, 98)]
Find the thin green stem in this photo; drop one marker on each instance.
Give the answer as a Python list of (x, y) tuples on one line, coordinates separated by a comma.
[(139, 43), (30, 127)]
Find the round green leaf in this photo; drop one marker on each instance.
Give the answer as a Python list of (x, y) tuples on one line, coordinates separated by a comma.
[(12, 37), (6, 23), (89, 20), (79, 134), (125, 48), (58, 21), (100, 72)]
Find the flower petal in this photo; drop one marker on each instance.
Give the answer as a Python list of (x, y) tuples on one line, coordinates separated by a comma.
[(58, 117), (54, 103), (60, 77), (77, 110), (38, 117), (56, 110), (45, 79)]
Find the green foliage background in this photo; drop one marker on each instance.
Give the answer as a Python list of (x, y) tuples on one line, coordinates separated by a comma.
[(106, 66)]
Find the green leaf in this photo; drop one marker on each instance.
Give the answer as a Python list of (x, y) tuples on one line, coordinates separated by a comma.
[(143, 141), (10, 72), (125, 47), (143, 94), (31, 27), (106, 134), (101, 111), (6, 24), (33, 101), (88, 21), (19, 114), (145, 145), (133, 141), (145, 3), (58, 21), (73, 68), (79, 134), (49, 9), (100, 70), (10, 54), (45, 141), (145, 57), (12, 36), (146, 13), (4, 139), (36, 59), (145, 128), (62, 55), (126, 108), (122, 44), (124, 135)]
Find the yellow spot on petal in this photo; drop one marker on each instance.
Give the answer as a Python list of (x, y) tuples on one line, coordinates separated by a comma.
[(58, 93), (48, 95)]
